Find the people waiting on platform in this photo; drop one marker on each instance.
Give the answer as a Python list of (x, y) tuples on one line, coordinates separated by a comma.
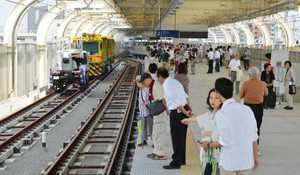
[(200, 53), (227, 57), (268, 59), (247, 56), (289, 78), (165, 59), (237, 133), (152, 70), (217, 59), (193, 65), (143, 109), (253, 92), (178, 109), (159, 126), (268, 76), (234, 66), (207, 122), (172, 57), (210, 61), (182, 77)]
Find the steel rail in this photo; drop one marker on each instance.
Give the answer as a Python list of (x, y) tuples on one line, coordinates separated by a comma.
[(26, 109), (85, 128), (35, 123), (114, 157)]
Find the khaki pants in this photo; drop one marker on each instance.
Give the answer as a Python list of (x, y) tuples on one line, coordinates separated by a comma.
[(240, 172), (165, 65), (289, 97), (159, 135)]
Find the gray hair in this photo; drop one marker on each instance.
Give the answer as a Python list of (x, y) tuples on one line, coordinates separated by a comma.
[(254, 72)]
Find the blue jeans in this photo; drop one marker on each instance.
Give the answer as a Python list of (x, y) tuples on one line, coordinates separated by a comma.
[(144, 129), (176, 68), (217, 68)]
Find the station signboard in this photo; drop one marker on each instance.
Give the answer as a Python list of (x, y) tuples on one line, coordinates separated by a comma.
[(167, 33)]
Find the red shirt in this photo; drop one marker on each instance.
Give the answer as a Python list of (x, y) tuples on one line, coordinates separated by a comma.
[(150, 97), (270, 63)]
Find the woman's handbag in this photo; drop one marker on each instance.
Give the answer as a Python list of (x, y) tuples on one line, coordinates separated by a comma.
[(156, 108), (210, 164), (292, 87)]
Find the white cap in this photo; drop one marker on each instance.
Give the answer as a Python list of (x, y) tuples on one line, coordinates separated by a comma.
[(138, 77)]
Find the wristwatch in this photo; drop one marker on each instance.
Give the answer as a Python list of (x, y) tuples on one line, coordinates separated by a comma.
[(208, 145)]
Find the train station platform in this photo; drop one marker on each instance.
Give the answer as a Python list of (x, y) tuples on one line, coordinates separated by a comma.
[(280, 133)]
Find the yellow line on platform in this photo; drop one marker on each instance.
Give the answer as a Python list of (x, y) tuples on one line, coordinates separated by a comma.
[(193, 166), (282, 116)]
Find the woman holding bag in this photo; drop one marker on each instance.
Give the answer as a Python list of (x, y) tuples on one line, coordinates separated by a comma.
[(207, 121), (289, 79)]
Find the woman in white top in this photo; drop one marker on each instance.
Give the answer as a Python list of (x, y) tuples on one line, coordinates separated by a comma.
[(207, 121)]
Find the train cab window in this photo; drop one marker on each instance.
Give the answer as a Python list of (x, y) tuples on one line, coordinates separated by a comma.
[(91, 48)]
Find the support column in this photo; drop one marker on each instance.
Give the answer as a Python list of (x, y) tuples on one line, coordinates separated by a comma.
[(41, 64), (5, 72)]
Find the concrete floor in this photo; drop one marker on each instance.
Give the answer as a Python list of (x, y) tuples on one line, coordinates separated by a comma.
[(280, 130)]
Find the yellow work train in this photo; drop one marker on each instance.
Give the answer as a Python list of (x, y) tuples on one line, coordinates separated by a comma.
[(100, 51)]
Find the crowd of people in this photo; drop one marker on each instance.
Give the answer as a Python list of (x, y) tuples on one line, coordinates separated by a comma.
[(233, 138)]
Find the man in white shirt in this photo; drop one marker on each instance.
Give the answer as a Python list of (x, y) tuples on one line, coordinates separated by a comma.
[(171, 53), (178, 109), (217, 59), (234, 66), (237, 133), (210, 61)]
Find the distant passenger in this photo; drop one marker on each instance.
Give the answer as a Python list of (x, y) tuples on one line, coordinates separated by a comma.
[(247, 55), (227, 58), (193, 65), (182, 77), (210, 61), (268, 59), (268, 76), (217, 59), (208, 122), (237, 133), (165, 59), (178, 109), (233, 67), (289, 78), (253, 92), (200, 53)]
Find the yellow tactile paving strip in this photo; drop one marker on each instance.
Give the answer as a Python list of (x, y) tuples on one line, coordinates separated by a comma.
[(282, 116), (193, 166)]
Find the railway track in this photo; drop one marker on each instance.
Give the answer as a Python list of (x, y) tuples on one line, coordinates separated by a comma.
[(99, 145), (22, 127)]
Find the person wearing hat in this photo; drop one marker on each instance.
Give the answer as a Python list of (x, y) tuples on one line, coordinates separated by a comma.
[(156, 92), (143, 108)]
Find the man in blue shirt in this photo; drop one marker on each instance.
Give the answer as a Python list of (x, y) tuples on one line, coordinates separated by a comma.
[(165, 59)]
